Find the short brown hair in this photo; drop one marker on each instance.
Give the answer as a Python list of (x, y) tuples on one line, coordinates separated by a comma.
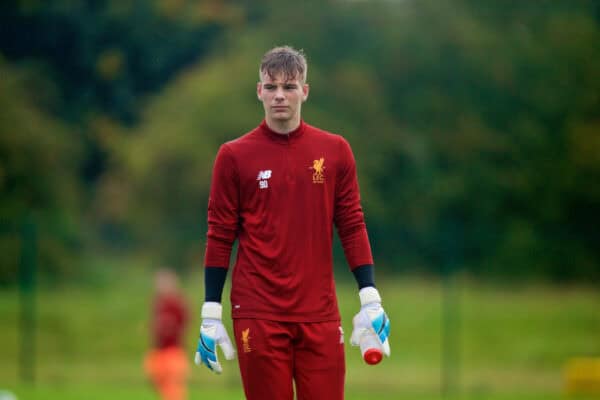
[(286, 60)]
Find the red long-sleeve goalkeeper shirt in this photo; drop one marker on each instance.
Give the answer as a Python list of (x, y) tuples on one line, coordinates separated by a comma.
[(280, 196)]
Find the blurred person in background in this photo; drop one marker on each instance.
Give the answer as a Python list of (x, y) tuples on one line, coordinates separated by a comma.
[(279, 190), (166, 364)]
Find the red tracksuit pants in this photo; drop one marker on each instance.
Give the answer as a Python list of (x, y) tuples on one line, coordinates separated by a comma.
[(275, 356)]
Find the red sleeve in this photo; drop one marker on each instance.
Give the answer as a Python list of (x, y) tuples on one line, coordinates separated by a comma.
[(223, 210), (348, 215)]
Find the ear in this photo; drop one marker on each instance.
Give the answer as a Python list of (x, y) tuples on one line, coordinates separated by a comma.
[(259, 90), (305, 90)]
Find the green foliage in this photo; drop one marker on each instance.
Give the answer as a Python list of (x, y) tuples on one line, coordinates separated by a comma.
[(38, 160), (164, 166), (468, 139), (104, 55), (88, 66), (474, 124)]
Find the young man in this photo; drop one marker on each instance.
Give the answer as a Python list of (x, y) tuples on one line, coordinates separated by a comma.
[(279, 190)]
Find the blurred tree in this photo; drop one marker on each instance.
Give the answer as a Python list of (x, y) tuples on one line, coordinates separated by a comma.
[(475, 124), (38, 164), (106, 54), (163, 167), (98, 59), (463, 117)]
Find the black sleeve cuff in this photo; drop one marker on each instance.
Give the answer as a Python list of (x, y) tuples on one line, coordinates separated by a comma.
[(214, 280), (364, 275)]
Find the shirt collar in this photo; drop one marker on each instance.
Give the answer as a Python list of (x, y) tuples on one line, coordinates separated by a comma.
[(283, 137)]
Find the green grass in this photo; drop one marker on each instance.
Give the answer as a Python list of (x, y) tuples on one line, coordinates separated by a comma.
[(512, 342)]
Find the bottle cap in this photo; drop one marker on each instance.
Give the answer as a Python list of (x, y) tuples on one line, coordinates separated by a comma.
[(373, 356)]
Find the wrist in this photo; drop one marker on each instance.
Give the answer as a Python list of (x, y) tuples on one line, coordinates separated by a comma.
[(212, 310), (369, 295), (214, 281), (364, 276)]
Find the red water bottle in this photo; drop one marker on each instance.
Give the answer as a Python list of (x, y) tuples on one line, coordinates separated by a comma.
[(370, 348)]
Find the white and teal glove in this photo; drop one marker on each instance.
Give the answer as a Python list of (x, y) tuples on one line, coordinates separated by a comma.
[(212, 332), (371, 319)]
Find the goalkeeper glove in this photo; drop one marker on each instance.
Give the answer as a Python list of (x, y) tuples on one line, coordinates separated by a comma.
[(212, 332), (371, 322)]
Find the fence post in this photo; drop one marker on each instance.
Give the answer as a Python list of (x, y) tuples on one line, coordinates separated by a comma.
[(451, 260), (27, 283)]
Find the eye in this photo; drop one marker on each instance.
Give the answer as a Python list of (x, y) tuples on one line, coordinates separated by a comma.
[(290, 87), (269, 86)]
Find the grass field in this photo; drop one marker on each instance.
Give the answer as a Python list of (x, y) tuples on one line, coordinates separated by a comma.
[(512, 342)]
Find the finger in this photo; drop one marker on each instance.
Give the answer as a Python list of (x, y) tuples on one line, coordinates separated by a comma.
[(215, 366), (206, 346), (227, 348), (386, 348), (207, 352), (203, 358), (197, 359), (356, 335)]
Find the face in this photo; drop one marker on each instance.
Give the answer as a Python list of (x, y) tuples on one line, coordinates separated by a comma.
[(166, 282), (282, 99)]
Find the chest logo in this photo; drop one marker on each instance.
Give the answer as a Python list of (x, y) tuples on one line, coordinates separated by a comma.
[(263, 178), (318, 169)]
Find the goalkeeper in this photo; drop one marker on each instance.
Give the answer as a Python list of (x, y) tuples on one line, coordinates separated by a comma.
[(279, 190)]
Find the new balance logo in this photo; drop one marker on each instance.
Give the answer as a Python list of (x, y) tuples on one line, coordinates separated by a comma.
[(262, 178), (263, 175)]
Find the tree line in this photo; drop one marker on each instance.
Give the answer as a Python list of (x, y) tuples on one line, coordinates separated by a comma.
[(474, 125)]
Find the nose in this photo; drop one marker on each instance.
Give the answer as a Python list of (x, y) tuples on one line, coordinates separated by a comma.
[(279, 94)]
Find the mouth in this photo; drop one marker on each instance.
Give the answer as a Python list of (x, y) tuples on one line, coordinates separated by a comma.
[(280, 108)]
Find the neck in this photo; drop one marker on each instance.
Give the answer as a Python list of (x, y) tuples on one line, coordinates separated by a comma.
[(283, 127)]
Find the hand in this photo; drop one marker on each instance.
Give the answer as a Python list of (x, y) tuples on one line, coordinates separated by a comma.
[(371, 319), (212, 332)]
